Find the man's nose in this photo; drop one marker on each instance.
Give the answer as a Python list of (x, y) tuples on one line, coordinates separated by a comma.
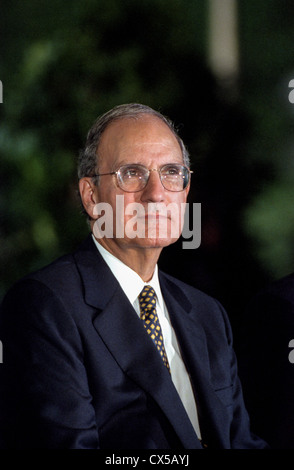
[(154, 190)]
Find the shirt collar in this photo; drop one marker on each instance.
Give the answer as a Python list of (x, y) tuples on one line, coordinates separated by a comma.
[(131, 283)]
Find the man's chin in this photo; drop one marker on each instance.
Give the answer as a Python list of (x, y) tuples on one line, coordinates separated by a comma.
[(152, 242)]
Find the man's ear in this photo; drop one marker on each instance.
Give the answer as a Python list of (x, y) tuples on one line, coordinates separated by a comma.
[(87, 193)]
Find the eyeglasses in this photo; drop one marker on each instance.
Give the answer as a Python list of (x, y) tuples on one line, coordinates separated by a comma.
[(134, 178)]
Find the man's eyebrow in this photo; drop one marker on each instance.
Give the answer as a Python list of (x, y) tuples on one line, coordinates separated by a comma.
[(117, 165)]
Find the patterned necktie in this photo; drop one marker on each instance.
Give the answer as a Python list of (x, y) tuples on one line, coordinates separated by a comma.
[(147, 301)]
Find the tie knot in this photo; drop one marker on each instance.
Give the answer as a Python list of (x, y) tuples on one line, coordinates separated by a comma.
[(147, 298)]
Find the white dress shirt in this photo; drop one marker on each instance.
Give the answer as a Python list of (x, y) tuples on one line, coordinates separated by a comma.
[(132, 285)]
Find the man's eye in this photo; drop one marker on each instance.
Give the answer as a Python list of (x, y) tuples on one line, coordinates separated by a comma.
[(171, 171), (132, 172)]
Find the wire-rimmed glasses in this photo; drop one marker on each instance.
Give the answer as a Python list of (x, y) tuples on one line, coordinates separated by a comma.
[(132, 178)]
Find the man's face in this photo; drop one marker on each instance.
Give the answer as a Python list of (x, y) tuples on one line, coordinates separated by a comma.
[(146, 141)]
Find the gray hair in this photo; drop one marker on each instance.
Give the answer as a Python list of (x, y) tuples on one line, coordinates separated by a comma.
[(88, 158)]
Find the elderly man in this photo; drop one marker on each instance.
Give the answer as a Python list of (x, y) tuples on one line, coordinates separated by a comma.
[(101, 349)]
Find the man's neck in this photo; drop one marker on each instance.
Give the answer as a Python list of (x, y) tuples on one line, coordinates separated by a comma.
[(139, 259)]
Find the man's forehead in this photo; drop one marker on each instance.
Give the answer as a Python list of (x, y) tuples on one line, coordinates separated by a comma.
[(140, 131)]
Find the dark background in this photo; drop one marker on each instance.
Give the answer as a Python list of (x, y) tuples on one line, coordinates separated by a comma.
[(64, 63)]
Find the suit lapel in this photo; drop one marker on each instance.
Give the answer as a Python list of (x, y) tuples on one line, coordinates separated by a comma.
[(124, 335), (192, 341)]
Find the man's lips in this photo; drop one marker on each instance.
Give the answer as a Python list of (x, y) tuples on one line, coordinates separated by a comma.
[(156, 216)]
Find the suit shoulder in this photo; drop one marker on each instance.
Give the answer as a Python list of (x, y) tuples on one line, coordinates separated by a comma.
[(62, 270), (283, 286), (203, 308), (191, 292), (281, 289), (54, 277)]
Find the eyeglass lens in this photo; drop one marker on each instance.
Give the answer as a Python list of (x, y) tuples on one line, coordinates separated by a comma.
[(132, 178)]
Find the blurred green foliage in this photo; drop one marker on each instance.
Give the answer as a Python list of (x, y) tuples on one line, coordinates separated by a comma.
[(64, 63)]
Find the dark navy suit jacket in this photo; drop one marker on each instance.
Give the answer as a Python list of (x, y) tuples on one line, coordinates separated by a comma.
[(80, 372)]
